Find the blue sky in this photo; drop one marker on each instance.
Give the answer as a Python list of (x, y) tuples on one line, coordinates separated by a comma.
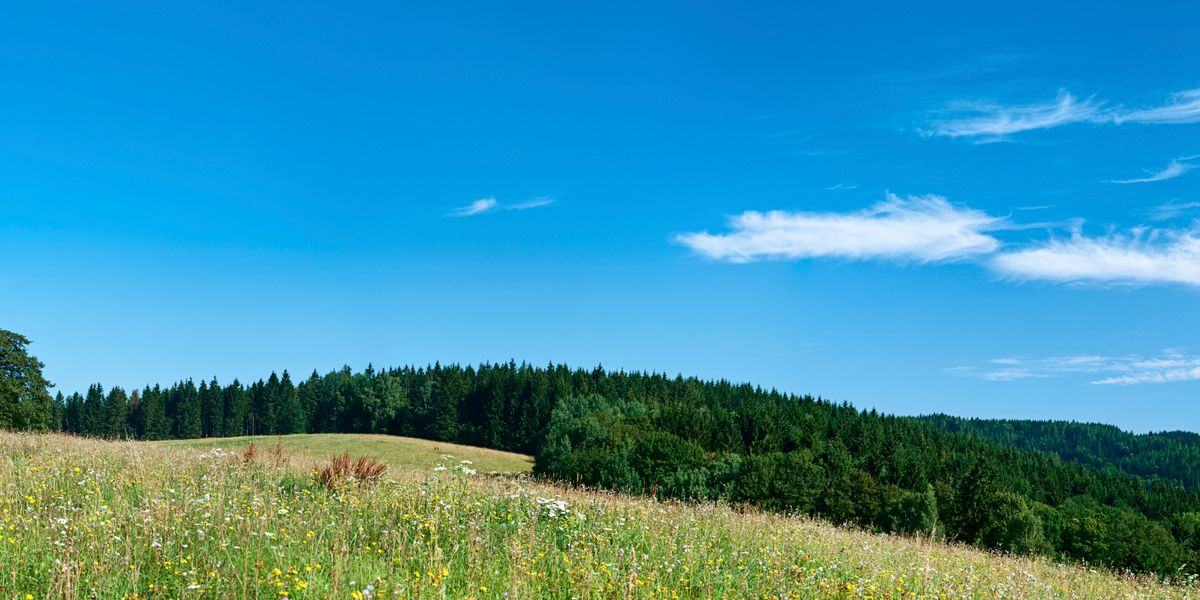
[(984, 212)]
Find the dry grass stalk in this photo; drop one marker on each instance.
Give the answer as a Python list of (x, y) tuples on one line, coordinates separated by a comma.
[(278, 457), (342, 469), (251, 453)]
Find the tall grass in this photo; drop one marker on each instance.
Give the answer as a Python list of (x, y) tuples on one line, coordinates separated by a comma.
[(342, 470), (98, 519)]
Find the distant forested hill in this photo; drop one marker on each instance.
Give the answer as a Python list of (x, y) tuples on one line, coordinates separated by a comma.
[(1168, 456)]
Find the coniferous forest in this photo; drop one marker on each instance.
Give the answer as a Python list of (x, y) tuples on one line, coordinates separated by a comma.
[(1172, 456), (1002, 486)]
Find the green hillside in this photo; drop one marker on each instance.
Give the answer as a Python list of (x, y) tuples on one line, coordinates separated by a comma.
[(89, 518)]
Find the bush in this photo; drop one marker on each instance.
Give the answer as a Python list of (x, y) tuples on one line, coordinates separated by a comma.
[(912, 513)]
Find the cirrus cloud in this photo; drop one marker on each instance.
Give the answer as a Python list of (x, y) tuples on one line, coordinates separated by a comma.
[(989, 121), (1175, 168), (477, 207), (1143, 256), (489, 204), (1181, 107), (914, 228), (993, 121), (1169, 366)]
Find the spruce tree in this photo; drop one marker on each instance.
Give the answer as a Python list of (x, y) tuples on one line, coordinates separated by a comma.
[(116, 412), (57, 412), (187, 411), (289, 418), (92, 422)]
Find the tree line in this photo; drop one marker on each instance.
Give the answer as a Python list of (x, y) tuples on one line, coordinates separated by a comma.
[(1172, 456), (678, 437)]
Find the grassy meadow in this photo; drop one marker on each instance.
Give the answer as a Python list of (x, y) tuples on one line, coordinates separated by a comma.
[(87, 518), (398, 452)]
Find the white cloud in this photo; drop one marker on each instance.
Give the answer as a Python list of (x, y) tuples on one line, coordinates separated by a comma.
[(477, 207), (1183, 107), (987, 120), (920, 228), (543, 201), (489, 204), (931, 229), (1168, 211), (1174, 169), (1011, 375), (1167, 367), (990, 121), (1140, 257)]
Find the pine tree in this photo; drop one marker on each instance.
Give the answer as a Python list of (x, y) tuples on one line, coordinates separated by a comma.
[(289, 418), (135, 415), (271, 406), (306, 394), (92, 421), (212, 409), (975, 501), (73, 415), (186, 415), (57, 413), (116, 413), (153, 421), (237, 408)]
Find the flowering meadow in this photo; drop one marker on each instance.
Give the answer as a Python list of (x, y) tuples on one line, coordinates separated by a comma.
[(86, 518)]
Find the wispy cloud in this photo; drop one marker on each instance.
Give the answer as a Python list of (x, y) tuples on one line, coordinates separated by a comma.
[(842, 187), (988, 121), (1171, 210), (1166, 367), (489, 204), (929, 229), (1015, 373), (1181, 107), (477, 207), (993, 121), (1175, 168), (1142, 256), (917, 228), (535, 203)]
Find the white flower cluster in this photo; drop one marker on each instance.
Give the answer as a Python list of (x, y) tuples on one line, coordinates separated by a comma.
[(217, 453), (463, 467), (553, 507)]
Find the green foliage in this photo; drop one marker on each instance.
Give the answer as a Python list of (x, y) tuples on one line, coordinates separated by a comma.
[(1172, 456), (1010, 525), (913, 513), (590, 439), (25, 401)]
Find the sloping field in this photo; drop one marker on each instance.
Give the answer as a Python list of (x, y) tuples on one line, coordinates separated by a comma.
[(85, 518), (401, 452)]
